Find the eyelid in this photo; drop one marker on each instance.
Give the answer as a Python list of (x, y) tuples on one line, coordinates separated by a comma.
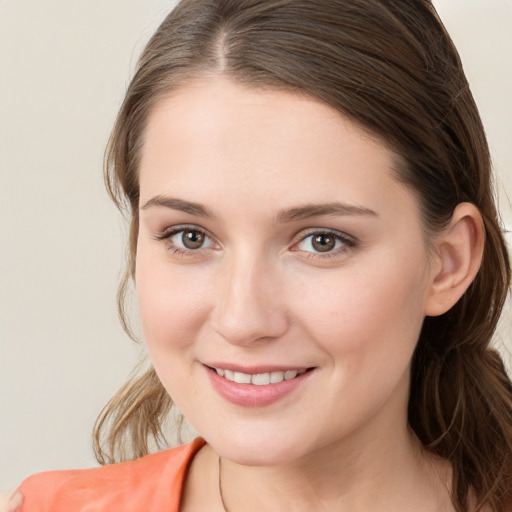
[(348, 241), (168, 233), (172, 230)]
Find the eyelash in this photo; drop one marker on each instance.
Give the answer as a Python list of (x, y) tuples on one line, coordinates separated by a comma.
[(167, 234), (347, 241)]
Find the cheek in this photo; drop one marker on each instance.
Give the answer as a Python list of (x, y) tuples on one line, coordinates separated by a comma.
[(172, 302), (367, 314)]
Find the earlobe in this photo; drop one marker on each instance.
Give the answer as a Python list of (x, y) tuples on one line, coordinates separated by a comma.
[(459, 252)]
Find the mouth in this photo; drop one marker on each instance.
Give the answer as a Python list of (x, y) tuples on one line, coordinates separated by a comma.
[(259, 379), (257, 386)]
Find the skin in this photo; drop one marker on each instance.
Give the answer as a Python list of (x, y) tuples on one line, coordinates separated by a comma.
[(10, 502), (258, 292)]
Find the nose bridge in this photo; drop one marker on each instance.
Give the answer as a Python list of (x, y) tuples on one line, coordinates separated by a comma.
[(249, 306)]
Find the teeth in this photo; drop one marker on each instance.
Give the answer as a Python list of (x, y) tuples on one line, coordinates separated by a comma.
[(242, 378), (258, 379), (276, 377)]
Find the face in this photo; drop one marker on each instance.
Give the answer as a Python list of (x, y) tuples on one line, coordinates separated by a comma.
[(281, 271)]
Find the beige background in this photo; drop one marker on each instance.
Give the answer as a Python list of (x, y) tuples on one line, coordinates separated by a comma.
[(63, 68)]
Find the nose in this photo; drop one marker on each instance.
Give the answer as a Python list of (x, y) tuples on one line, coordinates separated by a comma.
[(249, 303)]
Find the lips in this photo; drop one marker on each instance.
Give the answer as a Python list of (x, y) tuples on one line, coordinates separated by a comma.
[(255, 387)]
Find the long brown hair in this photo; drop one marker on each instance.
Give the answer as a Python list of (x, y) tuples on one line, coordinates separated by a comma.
[(390, 66)]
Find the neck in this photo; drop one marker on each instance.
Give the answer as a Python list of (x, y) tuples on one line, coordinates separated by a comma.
[(363, 473), (381, 466)]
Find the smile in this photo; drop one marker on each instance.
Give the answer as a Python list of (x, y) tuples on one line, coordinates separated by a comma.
[(256, 387), (259, 379)]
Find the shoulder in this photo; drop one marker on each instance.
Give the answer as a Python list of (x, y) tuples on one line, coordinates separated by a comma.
[(150, 484)]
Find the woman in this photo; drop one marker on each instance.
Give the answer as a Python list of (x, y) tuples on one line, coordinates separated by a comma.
[(319, 268)]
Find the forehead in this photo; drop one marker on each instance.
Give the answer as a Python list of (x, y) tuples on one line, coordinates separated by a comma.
[(214, 138)]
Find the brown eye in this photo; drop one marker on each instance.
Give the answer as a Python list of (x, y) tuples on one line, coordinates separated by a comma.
[(192, 239), (323, 242), (318, 242), (183, 240)]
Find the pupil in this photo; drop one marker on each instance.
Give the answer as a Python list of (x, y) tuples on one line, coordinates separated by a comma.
[(323, 243), (192, 239)]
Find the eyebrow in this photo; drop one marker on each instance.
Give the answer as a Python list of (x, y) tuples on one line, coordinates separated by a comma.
[(180, 205), (289, 215), (316, 210)]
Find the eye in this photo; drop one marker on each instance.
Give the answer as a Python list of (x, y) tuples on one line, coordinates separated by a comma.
[(190, 239), (182, 239), (325, 242)]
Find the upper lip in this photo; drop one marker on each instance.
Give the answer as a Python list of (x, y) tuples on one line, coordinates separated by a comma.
[(255, 369)]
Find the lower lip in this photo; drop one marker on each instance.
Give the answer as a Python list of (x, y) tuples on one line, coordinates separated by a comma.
[(250, 395)]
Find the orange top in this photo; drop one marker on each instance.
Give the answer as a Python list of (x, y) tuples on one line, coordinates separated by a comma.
[(150, 484)]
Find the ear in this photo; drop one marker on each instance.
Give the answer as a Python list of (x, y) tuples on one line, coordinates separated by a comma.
[(458, 256)]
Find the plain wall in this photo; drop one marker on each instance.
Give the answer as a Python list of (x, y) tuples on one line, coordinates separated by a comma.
[(64, 66)]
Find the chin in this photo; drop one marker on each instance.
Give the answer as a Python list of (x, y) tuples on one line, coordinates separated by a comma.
[(251, 448)]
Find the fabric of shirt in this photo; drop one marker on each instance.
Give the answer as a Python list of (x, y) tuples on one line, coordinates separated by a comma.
[(153, 483)]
